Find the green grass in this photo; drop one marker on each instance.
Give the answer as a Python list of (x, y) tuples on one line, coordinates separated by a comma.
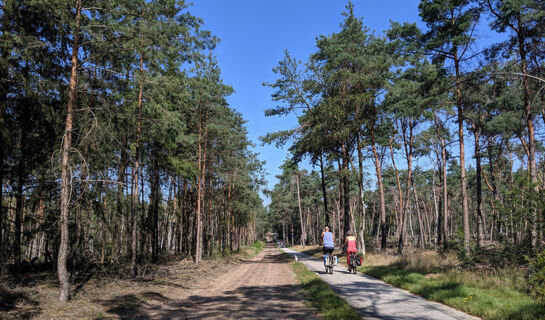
[(259, 245), (314, 252), (321, 297), (490, 296)]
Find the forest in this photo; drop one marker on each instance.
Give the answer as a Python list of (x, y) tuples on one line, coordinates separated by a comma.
[(118, 147), (423, 137)]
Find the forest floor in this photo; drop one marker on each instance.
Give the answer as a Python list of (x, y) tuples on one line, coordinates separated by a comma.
[(249, 286)]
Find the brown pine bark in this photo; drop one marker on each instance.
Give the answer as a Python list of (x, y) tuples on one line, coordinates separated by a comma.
[(407, 144), (381, 191), (200, 185), (136, 172), (346, 193), (444, 201), (463, 180), (480, 232), (303, 233), (399, 217), (324, 193), (532, 167), (62, 271), (119, 206), (19, 195), (361, 230)]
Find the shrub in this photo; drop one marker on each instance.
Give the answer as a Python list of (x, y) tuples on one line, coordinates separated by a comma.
[(537, 274)]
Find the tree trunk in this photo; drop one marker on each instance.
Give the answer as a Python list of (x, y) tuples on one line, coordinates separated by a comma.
[(463, 181), (346, 193), (200, 185), (480, 233), (119, 206), (381, 192), (529, 124), (62, 272), (154, 207), (136, 173), (421, 240), (407, 144), (437, 229), (303, 234), (444, 181), (19, 195), (324, 193), (361, 199), (400, 217)]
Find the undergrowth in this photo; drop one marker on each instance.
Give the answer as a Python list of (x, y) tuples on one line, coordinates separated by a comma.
[(481, 290)]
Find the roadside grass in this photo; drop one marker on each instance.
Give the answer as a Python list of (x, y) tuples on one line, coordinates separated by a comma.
[(488, 293), (314, 250), (320, 296)]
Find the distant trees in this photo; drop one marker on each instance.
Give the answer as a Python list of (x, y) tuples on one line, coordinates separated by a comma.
[(393, 103), (118, 145)]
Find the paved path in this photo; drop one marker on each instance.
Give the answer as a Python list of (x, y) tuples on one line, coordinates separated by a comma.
[(375, 299)]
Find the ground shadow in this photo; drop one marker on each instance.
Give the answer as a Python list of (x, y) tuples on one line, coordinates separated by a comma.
[(17, 305), (126, 306), (256, 302)]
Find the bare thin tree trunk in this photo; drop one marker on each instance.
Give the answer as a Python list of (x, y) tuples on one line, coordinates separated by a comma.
[(436, 210), (346, 193), (480, 233), (303, 234), (324, 193), (200, 186), (407, 144), (400, 217), (445, 186), (463, 180), (361, 199), (381, 192), (136, 172), (419, 216), (62, 272)]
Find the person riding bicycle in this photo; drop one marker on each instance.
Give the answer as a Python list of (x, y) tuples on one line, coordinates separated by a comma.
[(351, 245), (328, 240)]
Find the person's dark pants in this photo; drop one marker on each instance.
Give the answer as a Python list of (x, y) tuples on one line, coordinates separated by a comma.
[(328, 250)]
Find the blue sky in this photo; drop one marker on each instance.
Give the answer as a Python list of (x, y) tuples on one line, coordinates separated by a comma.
[(254, 34)]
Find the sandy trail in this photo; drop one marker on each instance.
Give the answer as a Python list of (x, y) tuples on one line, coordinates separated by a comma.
[(263, 287)]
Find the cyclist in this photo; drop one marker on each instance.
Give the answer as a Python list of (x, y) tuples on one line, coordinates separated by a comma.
[(351, 246), (328, 240)]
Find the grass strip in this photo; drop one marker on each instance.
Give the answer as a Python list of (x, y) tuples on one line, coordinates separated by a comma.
[(320, 296), (463, 290)]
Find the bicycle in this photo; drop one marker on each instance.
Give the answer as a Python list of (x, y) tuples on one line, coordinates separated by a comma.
[(329, 262), (353, 263)]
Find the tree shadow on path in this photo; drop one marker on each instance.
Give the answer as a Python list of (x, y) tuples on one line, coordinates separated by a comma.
[(246, 302)]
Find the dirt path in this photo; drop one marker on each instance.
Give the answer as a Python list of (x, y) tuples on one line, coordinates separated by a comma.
[(375, 299), (263, 287)]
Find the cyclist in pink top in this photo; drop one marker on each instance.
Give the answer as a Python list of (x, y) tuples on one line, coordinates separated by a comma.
[(352, 247)]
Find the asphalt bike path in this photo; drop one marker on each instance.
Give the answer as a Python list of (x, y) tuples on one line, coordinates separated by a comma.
[(375, 299)]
